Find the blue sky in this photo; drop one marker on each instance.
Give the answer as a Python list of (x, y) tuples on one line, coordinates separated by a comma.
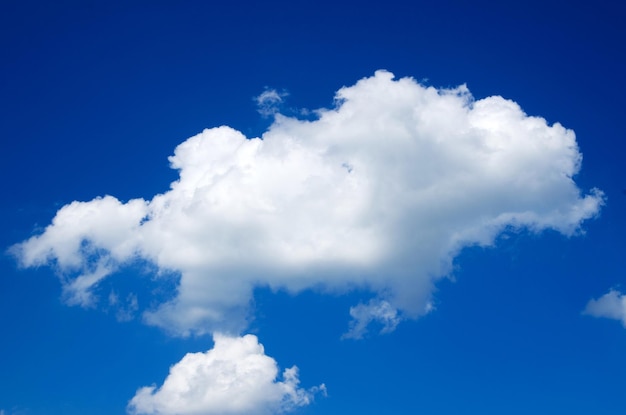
[(412, 205)]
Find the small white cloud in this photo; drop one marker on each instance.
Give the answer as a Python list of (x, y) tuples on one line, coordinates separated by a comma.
[(382, 191), (269, 101), (378, 311), (611, 305), (235, 377)]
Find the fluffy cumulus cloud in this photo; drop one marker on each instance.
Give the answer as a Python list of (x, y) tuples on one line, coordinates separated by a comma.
[(611, 305), (380, 192), (235, 377)]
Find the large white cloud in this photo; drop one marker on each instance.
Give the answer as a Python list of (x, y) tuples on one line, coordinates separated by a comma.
[(235, 377), (380, 192), (611, 305)]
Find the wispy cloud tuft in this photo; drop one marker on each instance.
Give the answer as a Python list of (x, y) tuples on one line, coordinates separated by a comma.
[(269, 101), (380, 192), (124, 309), (235, 377), (374, 311), (611, 305)]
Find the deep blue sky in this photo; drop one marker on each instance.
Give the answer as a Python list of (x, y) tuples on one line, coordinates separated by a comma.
[(96, 95)]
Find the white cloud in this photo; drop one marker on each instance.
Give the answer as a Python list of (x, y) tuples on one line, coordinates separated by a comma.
[(381, 192), (269, 101), (235, 377), (611, 305), (374, 311)]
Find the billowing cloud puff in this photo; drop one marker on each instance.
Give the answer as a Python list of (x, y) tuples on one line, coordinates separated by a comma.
[(611, 305), (235, 377), (380, 192)]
